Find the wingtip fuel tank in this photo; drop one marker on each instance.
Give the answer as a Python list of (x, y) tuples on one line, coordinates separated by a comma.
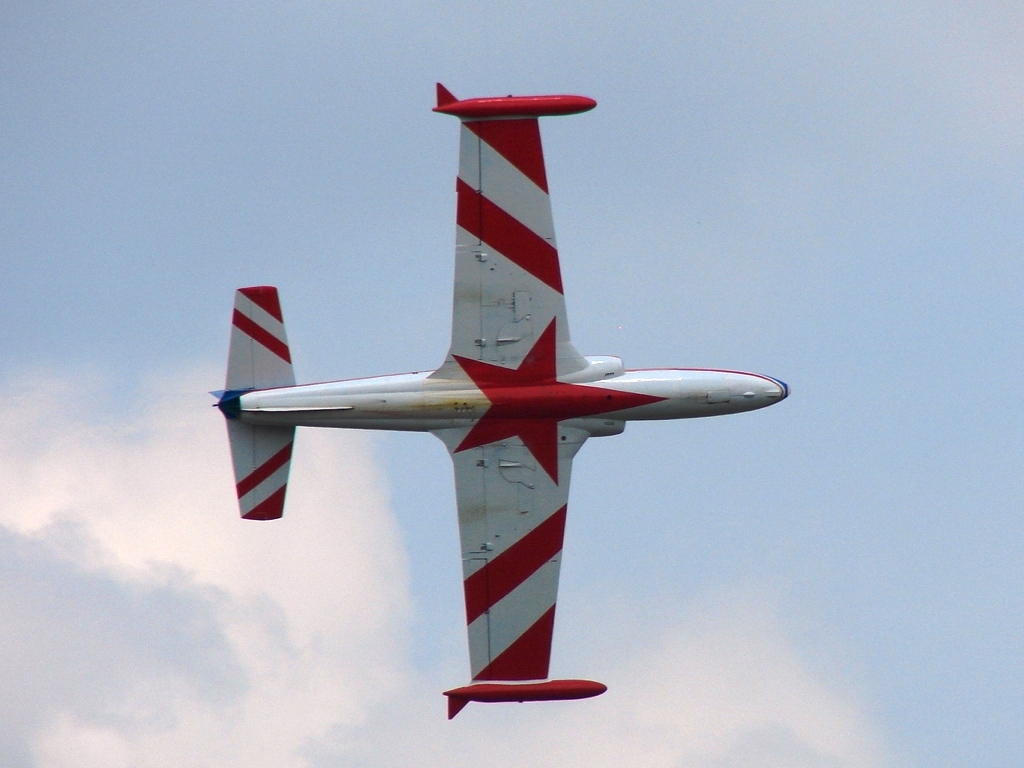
[(549, 690), (511, 106)]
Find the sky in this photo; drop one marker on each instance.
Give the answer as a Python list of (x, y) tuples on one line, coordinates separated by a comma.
[(826, 193)]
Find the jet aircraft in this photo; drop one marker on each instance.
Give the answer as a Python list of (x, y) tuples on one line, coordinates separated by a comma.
[(513, 400)]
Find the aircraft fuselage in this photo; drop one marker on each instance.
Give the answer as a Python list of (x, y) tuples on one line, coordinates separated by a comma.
[(599, 399)]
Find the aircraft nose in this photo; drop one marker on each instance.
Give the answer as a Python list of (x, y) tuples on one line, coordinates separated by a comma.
[(782, 386)]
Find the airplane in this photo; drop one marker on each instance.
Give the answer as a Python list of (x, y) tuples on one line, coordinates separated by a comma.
[(513, 400)]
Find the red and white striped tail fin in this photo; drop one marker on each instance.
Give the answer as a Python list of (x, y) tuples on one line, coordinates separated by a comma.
[(261, 457), (258, 358)]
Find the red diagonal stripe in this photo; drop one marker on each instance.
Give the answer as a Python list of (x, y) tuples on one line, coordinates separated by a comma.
[(265, 470), (515, 565), (517, 242), (264, 296), (528, 657), (518, 141), (271, 508), (263, 336)]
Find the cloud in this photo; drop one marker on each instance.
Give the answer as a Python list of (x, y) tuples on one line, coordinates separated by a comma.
[(146, 625), (148, 620), (719, 684), (93, 646)]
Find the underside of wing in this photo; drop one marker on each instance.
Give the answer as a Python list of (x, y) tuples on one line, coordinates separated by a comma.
[(511, 523), (509, 334), (508, 283)]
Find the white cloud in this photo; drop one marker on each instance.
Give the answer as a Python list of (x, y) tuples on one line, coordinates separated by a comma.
[(132, 527), (146, 625), (719, 684)]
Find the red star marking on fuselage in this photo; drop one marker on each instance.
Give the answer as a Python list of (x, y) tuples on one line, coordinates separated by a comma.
[(528, 402)]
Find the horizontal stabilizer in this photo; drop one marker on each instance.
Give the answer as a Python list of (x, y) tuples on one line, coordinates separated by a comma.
[(551, 690), (258, 355), (261, 456), (258, 358)]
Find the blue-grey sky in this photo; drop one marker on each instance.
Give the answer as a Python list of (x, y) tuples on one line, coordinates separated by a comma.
[(826, 193)]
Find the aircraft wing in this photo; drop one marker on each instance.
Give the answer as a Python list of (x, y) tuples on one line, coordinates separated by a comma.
[(509, 332), (511, 523), (508, 283)]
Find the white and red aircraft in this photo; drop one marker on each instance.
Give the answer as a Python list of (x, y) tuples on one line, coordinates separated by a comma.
[(513, 401)]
